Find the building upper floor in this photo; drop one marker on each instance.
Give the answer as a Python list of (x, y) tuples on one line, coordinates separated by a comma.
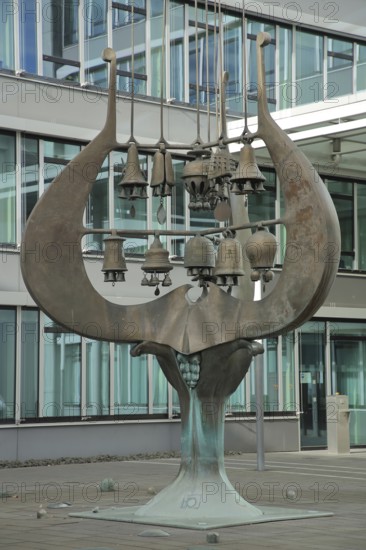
[(317, 53)]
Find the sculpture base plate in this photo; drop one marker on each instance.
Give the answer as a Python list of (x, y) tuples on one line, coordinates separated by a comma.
[(269, 513)]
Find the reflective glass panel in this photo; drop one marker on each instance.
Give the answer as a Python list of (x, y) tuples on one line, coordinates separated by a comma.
[(309, 68), (361, 66), (130, 382), (8, 330), (7, 188), (62, 368), (177, 82), (340, 63), (30, 176), (29, 364), (160, 389), (29, 14), (7, 37), (97, 378), (361, 218)]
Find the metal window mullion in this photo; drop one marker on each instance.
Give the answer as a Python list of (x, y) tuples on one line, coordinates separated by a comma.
[(41, 167), (297, 382), (293, 64), (279, 373), (18, 187), (328, 374), (150, 384), (325, 69), (148, 47), (39, 40), (83, 396), (355, 227), (170, 401), (186, 53), (81, 26), (281, 246), (111, 378), (16, 39), (18, 364), (41, 366), (167, 51), (277, 68)]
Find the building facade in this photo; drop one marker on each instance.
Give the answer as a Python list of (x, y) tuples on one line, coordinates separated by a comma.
[(63, 395)]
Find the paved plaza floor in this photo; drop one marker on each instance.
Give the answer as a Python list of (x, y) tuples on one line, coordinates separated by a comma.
[(311, 480)]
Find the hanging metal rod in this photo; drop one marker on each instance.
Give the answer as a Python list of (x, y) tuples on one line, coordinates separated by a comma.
[(146, 232)]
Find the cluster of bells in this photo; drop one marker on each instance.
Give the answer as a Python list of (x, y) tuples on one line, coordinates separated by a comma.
[(203, 264), (208, 179)]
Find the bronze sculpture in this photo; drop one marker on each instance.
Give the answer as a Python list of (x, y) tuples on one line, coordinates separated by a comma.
[(202, 360)]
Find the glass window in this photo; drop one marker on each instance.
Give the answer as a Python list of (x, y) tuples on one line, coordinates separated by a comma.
[(157, 63), (60, 35), (253, 28), (361, 220), (288, 373), (97, 210), (122, 43), (237, 402), (95, 18), (287, 90), (340, 63), (130, 382), (57, 154), (261, 206), (342, 195), (309, 68), (160, 389), (129, 214), (312, 384), (361, 66), (177, 82), (233, 62), (178, 208), (8, 331), (348, 349), (29, 364), (208, 59), (29, 13), (7, 37), (30, 176), (97, 378), (270, 377), (7, 188), (62, 368)]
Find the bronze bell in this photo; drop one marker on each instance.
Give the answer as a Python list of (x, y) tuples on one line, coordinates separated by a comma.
[(197, 184), (156, 263), (221, 164), (133, 184), (162, 177), (229, 262), (247, 177), (114, 264), (261, 249), (199, 257)]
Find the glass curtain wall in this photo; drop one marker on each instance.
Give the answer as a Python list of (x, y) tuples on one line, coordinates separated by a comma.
[(348, 349), (97, 378), (29, 373), (312, 384), (62, 372), (131, 394), (8, 169), (361, 225), (177, 51), (60, 38), (7, 37), (309, 67), (30, 175), (8, 330)]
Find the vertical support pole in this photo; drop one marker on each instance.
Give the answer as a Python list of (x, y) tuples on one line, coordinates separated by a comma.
[(259, 383), (259, 411)]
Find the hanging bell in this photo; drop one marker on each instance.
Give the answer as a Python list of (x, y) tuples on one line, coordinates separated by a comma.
[(133, 184), (196, 183), (114, 264), (221, 164), (261, 248), (199, 258), (247, 177), (229, 262), (156, 262), (162, 177)]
